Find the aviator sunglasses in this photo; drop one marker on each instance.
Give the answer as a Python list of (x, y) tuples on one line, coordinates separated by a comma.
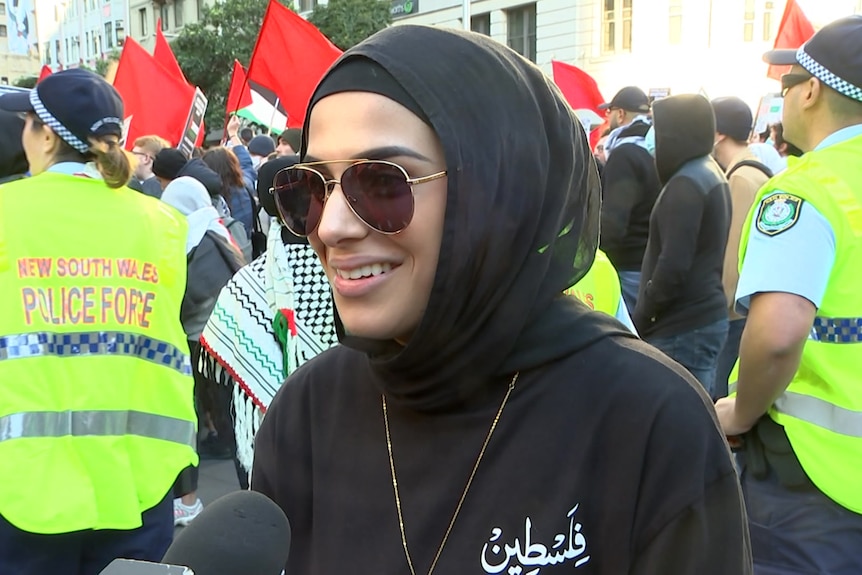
[(378, 192)]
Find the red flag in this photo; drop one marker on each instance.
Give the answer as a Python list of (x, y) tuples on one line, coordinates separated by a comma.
[(795, 29), (290, 57), (580, 91), (46, 71), (239, 94), (155, 100), (164, 55)]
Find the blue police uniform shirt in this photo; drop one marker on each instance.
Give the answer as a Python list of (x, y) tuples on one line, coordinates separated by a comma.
[(790, 255), (624, 318)]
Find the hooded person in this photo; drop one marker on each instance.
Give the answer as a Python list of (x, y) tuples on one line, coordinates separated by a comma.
[(681, 307), (471, 398), (274, 315), (170, 164), (213, 258), (13, 161)]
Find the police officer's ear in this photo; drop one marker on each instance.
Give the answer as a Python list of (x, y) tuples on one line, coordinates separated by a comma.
[(42, 139), (812, 93)]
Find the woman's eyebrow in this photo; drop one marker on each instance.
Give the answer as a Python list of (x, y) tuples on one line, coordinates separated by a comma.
[(381, 153)]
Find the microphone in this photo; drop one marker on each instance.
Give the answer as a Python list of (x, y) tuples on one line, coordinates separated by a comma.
[(132, 567), (242, 533)]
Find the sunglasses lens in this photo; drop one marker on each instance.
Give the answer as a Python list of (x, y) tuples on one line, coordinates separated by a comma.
[(299, 196), (379, 194)]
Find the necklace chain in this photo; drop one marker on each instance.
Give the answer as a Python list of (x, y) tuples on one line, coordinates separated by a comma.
[(466, 488)]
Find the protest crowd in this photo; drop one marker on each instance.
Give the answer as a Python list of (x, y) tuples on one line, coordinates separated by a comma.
[(439, 325)]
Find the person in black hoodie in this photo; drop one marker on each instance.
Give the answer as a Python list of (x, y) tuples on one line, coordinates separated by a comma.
[(630, 187), (681, 306), (474, 419)]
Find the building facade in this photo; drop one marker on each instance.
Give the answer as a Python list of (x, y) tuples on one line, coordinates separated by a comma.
[(712, 47), (19, 50), (76, 33)]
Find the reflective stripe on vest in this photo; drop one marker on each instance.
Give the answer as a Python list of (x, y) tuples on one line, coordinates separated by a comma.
[(36, 424), (42, 344), (816, 411), (837, 330)]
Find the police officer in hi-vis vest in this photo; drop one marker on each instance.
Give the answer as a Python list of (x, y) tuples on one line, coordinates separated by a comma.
[(96, 410), (798, 386)]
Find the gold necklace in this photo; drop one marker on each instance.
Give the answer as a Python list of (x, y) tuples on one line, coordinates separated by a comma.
[(463, 495)]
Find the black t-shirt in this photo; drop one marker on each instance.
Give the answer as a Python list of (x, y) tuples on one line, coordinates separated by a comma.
[(609, 461)]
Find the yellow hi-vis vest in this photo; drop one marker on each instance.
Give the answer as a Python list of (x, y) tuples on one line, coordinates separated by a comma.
[(96, 396), (821, 410), (600, 288)]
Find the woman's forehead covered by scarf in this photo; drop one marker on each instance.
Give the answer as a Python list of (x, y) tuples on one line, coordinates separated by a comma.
[(522, 203)]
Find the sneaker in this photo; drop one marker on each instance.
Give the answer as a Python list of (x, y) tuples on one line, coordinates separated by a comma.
[(183, 514)]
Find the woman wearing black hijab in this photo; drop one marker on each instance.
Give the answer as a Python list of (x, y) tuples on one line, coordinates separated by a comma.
[(473, 420)]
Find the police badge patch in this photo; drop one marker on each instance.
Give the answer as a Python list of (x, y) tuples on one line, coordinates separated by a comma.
[(778, 213)]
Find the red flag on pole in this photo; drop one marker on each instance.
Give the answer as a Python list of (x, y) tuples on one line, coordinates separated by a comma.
[(580, 90), (239, 94), (155, 100), (795, 29), (44, 73), (164, 55), (290, 57)]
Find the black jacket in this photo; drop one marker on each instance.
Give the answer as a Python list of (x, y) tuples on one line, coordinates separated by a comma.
[(630, 187), (681, 286)]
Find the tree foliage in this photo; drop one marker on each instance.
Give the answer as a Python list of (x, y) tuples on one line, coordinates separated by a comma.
[(349, 22), (206, 50), (26, 82), (104, 64)]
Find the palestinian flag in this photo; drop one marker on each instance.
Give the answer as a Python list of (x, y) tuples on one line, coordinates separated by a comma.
[(256, 103)]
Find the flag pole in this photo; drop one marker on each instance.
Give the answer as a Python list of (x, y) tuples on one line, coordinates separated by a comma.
[(465, 14), (274, 110)]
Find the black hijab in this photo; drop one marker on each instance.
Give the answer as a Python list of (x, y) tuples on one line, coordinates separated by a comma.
[(522, 218)]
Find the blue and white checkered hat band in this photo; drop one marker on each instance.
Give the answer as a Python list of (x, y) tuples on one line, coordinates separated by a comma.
[(49, 120), (827, 77)]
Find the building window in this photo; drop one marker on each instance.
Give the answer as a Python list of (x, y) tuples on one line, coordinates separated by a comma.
[(97, 44), (306, 5), (142, 16), (675, 23), (57, 51), (481, 24), (179, 7), (748, 27), (164, 13), (4, 79), (47, 52), (767, 21), (2, 8), (3, 32), (199, 7), (616, 25), (521, 35), (109, 35)]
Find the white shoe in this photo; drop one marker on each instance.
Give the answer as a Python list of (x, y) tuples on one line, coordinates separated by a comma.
[(184, 514)]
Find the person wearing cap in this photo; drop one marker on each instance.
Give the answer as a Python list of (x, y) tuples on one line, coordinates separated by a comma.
[(630, 186), (288, 142), (745, 175), (260, 147), (96, 410), (797, 400)]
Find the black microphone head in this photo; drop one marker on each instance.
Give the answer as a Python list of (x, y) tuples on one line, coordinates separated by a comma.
[(244, 532)]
